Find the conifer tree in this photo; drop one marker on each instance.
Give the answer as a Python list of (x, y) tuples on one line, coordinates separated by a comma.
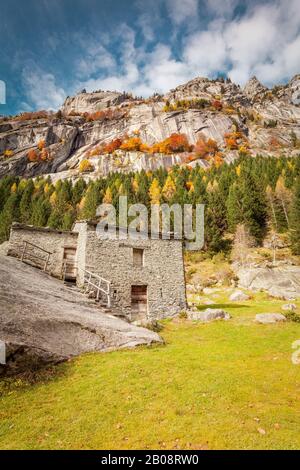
[(9, 215), (169, 189), (155, 192), (26, 202), (90, 203), (295, 219), (41, 210), (215, 222)]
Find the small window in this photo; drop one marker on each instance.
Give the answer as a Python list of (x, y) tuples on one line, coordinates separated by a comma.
[(138, 257)]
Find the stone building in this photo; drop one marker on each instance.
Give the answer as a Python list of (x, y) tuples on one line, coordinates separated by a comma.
[(39, 246), (141, 279)]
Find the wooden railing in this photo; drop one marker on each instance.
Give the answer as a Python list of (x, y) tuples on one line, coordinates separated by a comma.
[(29, 255), (100, 286)]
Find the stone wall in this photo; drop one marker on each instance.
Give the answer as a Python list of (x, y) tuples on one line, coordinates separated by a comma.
[(163, 270), (50, 240)]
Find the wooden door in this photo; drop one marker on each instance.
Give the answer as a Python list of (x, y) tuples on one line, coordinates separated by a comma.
[(69, 262), (139, 301)]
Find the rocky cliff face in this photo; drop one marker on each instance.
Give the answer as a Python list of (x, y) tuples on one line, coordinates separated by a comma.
[(268, 121), (42, 321)]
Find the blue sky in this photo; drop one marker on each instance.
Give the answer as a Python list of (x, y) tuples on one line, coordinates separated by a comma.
[(54, 48)]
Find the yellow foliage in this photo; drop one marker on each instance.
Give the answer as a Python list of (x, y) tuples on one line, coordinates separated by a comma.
[(155, 192), (14, 188), (47, 188), (169, 188), (190, 186), (133, 144), (8, 153), (81, 204), (53, 198), (85, 166), (135, 185), (41, 145), (108, 196)]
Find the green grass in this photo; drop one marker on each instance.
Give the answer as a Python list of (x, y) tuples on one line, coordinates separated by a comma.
[(212, 386)]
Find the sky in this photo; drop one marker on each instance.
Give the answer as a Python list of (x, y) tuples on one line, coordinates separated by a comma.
[(51, 49)]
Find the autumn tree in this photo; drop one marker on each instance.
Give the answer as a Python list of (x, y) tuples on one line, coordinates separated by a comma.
[(284, 197), (205, 148), (33, 155), (242, 244), (85, 166), (169, 188), (155, 192), (133, 144)]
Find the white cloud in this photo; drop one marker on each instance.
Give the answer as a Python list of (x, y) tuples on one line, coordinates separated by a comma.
[(182, 10), (223, 7), (40, 88), (264, 40), (95, 59), (205, 52)]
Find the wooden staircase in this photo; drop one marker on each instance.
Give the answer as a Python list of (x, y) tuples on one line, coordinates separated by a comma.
[(96, 287)]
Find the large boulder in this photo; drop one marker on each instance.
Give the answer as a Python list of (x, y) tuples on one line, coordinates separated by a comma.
[(208, 315), (42, 321), (289, 307), (239, 296), (281, 282), (267, 318)]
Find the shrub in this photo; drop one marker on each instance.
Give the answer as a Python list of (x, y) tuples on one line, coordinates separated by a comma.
[(292, 316), (205, 148), (85, 166), (31, 116), (133, 144), (112, 146), (8, 153), (41, 145), (33, 155), (217, 105)]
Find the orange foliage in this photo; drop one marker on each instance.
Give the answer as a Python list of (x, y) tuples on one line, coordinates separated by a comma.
[(44, 155), (232, 140), (217, 104), (112, 146), (106, 114), (133, 144), (274, 142), (218, 159), (33, 156), (176, 143), (205, 148), (41, 144), (30, 116)]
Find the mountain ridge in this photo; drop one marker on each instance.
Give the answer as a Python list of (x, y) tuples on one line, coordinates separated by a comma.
[(251, 120)]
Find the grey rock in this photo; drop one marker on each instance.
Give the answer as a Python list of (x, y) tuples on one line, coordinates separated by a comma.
[(281, 282), (289, 307), (42, 321), (208, 315), (208, 302), (239, 296), (266, 318), (253, 88), (92, 102)]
